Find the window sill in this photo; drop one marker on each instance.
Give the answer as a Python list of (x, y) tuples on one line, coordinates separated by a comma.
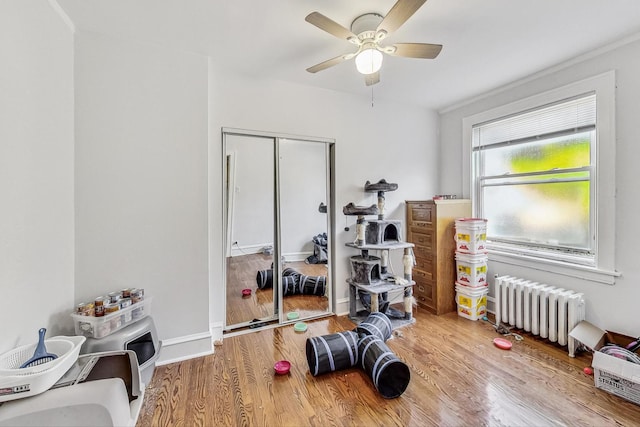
[(591, 274)]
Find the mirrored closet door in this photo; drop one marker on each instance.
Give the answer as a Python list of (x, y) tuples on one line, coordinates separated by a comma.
[(277, 195)]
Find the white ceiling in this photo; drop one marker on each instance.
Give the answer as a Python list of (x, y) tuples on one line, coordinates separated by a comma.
[(487, 43)]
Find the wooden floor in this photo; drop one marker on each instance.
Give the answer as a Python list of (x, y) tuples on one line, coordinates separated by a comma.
[(458, 378)]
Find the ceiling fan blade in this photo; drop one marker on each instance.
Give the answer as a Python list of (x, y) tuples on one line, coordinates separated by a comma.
[(329, 63), (371, 79), (398, 15), (330, 26), (415, 50)]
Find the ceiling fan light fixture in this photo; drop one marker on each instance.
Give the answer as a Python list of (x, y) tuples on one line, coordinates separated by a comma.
[(369, 61), (366, 32)]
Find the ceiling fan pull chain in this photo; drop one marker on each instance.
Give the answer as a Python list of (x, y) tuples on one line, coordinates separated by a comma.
[(371, 96)]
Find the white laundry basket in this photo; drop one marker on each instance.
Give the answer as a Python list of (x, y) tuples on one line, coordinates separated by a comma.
[(16, 382)]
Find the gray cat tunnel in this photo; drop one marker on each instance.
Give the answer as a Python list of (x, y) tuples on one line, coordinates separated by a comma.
[(389, 374), (293, 282), (334, 352), (364, 347)]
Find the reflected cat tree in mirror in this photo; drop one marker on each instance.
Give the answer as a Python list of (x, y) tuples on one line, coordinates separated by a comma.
[(370, 279)]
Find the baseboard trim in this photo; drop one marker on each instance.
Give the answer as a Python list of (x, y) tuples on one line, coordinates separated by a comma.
[(184, 348), (296, 256), (249, 249), (342, 307)]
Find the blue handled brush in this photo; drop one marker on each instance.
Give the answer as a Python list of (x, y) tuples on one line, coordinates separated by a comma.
[(40, 356)]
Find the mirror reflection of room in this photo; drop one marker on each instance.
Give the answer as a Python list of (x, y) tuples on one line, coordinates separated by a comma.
[(304, 240), (250, 225), (269, 214)]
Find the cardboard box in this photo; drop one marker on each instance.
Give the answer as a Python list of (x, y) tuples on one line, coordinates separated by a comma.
[(612, 374)]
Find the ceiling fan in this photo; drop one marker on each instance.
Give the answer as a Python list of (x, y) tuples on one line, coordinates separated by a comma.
[(367, 32)]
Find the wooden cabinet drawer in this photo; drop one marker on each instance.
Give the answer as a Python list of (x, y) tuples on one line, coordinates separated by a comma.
[(423, 293), (421, 214), (422, 239), (425, 266), (420, 227), (420, 205), (421, 275), (424, 288), (425, 302), (423, 252)]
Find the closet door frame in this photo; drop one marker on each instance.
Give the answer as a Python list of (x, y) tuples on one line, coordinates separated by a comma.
[(329, 153)]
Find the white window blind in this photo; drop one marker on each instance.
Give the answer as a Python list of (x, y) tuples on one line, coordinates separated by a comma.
[(567, 116)]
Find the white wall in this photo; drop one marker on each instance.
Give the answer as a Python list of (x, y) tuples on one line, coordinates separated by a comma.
[(610, 307), (141, 178), (36, 172), (391, 141)]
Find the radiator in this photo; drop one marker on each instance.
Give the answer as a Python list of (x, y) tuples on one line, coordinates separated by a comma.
[(547, 311)]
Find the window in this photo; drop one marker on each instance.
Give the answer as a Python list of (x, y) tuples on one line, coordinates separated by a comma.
[(542, 173), (533, 179)]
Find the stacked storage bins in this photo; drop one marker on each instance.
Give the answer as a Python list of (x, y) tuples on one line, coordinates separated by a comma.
[(471, 267)]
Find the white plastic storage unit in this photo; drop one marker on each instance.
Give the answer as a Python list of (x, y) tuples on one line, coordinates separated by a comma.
[(130, 328), (471, 267), (140, 337)]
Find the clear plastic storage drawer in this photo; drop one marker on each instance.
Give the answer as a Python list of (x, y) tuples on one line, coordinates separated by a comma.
[(99, 327)]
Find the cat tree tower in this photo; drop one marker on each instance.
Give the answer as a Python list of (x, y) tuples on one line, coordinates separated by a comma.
[(369, 273)]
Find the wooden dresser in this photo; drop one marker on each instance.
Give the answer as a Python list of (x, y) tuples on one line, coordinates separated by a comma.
[(431, 227)]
